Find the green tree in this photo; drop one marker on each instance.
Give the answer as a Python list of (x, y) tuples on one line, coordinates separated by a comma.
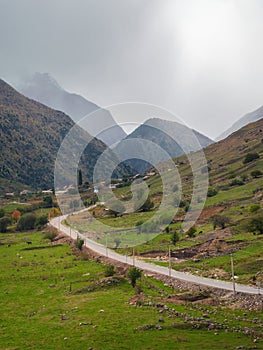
[(191, 232), (2, 212), (26, 222), (79, 243), (41, 221), (47, 202), (147, 205), (174, 237), (79, 177), (109, 271), (256, 224), (220, 220), (116, 208), (4, 222), (117, 242), (133, 274)]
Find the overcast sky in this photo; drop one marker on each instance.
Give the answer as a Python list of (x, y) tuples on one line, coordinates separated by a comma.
[(201, 59)]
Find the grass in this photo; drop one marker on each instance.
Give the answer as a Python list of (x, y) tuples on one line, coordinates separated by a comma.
[(40, 308)]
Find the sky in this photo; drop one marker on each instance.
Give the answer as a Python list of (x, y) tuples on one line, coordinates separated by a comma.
[(200, 59)]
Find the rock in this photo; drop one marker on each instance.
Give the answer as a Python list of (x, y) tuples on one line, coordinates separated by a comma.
[(101, 310), (161, 320)]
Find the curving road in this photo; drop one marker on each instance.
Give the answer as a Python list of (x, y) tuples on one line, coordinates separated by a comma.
[(102, 250)]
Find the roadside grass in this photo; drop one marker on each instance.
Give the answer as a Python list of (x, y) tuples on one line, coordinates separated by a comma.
[(40, 308), (248, 261)]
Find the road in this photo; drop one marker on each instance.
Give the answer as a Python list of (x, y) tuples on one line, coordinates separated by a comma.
[(102, 250)]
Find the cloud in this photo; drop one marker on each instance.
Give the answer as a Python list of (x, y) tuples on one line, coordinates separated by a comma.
[(200, 59)]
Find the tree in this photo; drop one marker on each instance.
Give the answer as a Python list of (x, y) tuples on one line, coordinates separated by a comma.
[(116, 207), (79, 243), (191, 232), (41, 221), (47, 202), (117, 242), (256, 173), (256, 224), (250, 157), (26, 222), (133, 275), (54, 212), (4, 222), (109, 271), (16, 215), (2, 212), (174, 237), (220, 220), (79, 177), (147, 205)]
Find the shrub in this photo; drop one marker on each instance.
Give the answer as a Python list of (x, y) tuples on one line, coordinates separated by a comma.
[(211, 192), (254, 208), (51, 235), (2, 212), (133, 275), (250, 157), (109, 271), (256, 173), (26, 222), (4, 222), (236, 182)]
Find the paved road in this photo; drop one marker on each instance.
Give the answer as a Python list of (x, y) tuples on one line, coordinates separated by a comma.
[(102, 250)]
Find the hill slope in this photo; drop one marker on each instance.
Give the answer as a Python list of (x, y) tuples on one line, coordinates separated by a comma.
[(30, 137), (44, 88), (246, 119), (175, 138)]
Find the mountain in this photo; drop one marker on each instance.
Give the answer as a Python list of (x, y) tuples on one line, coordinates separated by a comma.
[(246, 119), (30, 137), (43, 88), (173, 137)]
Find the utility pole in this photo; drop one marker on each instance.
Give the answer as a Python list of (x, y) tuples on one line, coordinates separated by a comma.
[(106, 245), (169, 263), (233, 274)]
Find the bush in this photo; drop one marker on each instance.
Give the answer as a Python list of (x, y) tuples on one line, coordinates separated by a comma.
[(41, 221), (109, 271), (4, 222), (236, 182), (254, 208), (51, 235), (256, 173), (211, 192), (250, 157), (26, 222)]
